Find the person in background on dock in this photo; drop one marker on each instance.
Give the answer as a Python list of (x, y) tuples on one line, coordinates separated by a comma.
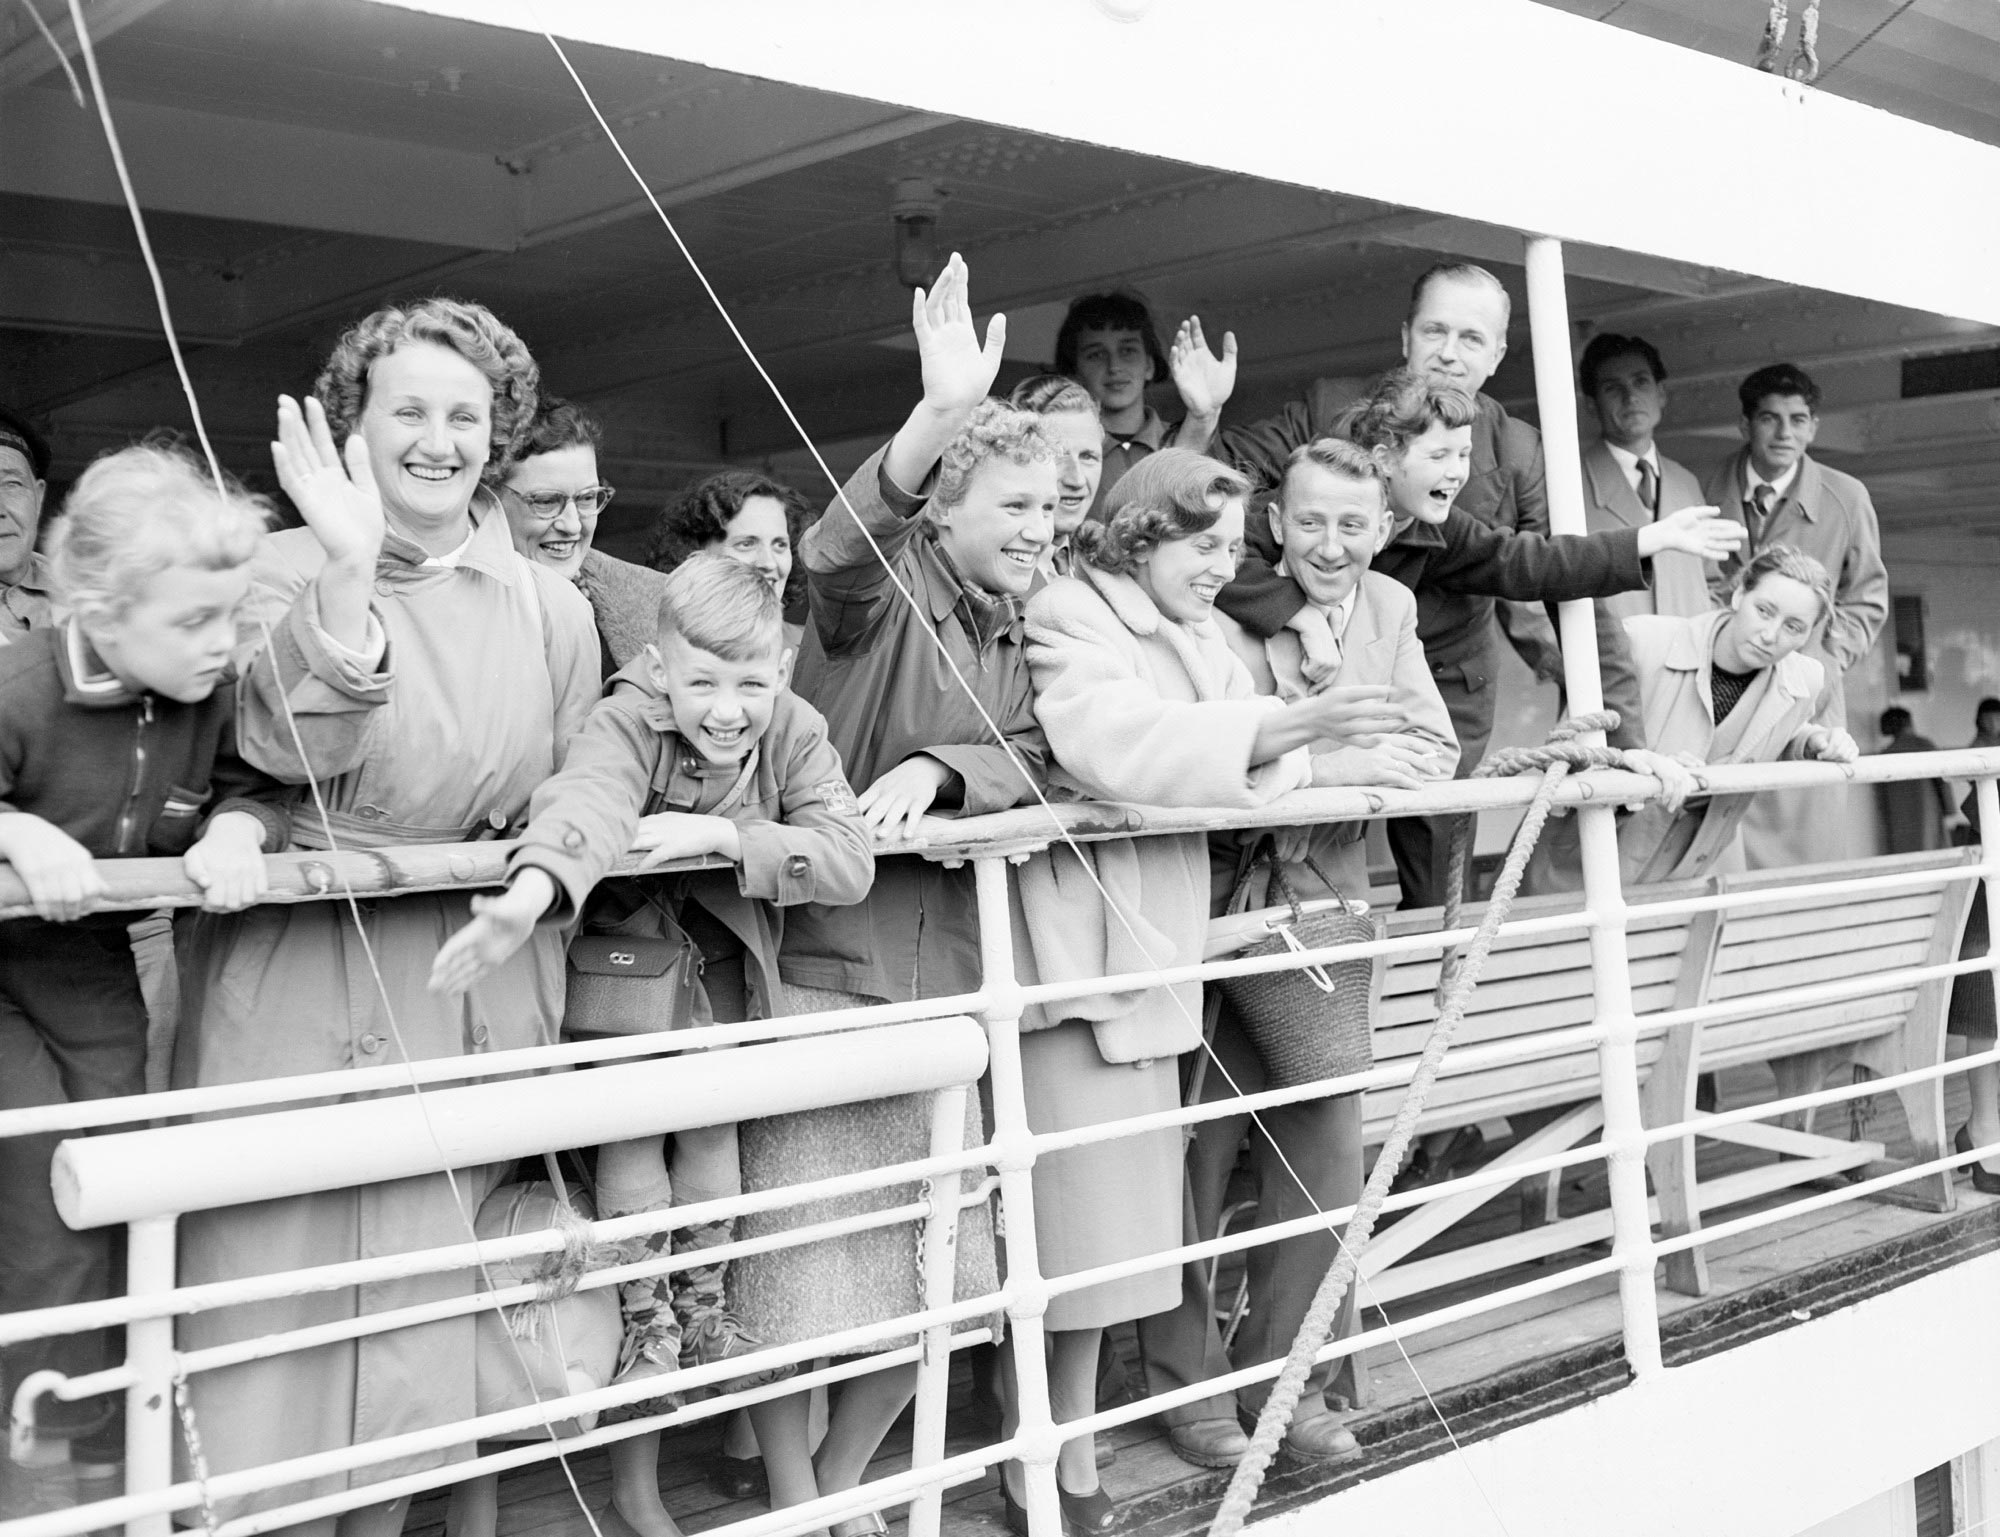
[(1916, 814)]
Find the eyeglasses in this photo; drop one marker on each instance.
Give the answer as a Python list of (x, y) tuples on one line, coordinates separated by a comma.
[(547, 506)]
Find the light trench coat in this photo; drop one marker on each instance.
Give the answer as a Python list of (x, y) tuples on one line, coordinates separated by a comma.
[(1137, 708), (495, 664)]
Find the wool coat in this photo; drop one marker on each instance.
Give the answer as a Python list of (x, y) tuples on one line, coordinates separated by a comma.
[(495, 665), (1828, 515), (1379, 645), (875, 667), (1679, 580), (1676, 660), (625, 602), (1140, 708)]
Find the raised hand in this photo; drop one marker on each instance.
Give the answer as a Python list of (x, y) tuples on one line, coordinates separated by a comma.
[(500, 926), (335, 492), (1204, 380), (1702, 532), (958, 369)]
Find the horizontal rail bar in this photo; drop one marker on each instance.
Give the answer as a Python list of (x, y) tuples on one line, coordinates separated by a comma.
[(346, 1082), (142, 885), (124, 1176)]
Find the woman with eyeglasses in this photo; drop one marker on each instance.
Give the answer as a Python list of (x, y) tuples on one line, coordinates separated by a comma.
[(552, 498)]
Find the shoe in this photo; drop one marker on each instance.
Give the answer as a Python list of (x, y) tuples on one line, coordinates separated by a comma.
[(717, 1337), (868, 1524), (1083, 1515), (1216, 1443), (1323, 1438), (1984, 1183), (737, 1478)]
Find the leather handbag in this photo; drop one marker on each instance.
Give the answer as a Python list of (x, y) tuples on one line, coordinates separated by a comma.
[(631, 984), (1310, 1022)]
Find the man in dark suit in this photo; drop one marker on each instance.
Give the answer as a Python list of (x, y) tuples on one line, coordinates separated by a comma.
[(1782, 495), (1627, 481)]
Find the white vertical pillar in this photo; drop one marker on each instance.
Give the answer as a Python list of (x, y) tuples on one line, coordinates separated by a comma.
[(149, 1351), (940, 1256), (1617, 1056), (1015, 1158)]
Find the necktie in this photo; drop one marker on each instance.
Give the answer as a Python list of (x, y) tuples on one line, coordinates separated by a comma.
[(1763, 496), (1649, 487)]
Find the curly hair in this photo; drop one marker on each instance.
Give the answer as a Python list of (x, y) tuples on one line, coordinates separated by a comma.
[(995, 430), (137, 511), (1172, 494), (474, 332), (1786, 560), (699, 519), (1402, 406)]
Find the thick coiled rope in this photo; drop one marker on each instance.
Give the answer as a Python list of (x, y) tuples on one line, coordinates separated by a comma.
[(1555, 759)]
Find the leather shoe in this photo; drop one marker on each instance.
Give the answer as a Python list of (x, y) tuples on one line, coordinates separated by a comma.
[(736, 1478), (1216, 1443), (1083, 1515), (1984, 1183), (1323, 1438)]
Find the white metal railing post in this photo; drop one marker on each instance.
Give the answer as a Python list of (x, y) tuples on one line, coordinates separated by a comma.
[(940, 1272), (149, 1351), (1014, 1156), (1617, 1054)]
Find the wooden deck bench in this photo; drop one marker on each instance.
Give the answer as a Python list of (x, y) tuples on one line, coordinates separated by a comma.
[(1543, 983)]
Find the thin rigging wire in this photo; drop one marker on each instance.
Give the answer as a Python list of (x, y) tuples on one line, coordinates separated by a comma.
[(298, 743), (812, 448)]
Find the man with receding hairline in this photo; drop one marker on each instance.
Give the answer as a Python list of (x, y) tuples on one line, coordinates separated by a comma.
[(1456, 333)]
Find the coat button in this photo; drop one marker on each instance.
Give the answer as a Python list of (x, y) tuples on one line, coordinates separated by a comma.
[(573, 839), (798, 864), (385, 589), (371, 1044), (481, 1035)]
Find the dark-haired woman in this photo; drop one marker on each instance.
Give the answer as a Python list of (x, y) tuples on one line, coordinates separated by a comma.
[(1143, 701), (749, 517), (494, 666), (552, 497)]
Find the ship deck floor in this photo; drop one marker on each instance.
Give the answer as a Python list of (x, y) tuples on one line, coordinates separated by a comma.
[(1159, 1494)]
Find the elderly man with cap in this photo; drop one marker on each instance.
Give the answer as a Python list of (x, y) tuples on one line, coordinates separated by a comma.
[(24, 468)]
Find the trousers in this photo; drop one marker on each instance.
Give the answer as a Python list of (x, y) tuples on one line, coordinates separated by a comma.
[(72, 1027), (1303, 1156)]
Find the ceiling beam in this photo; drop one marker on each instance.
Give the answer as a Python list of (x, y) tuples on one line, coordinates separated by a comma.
[(30, 57)]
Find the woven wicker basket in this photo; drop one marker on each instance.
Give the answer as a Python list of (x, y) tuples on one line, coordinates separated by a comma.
[(1311, 1022)]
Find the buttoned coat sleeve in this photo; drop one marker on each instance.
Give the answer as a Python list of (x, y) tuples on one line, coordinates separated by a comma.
[(820, 851), (583, 817)]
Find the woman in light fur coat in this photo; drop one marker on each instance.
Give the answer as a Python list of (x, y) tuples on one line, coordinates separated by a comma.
[(1142, 701)]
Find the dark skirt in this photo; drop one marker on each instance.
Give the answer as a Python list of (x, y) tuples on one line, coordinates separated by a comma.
[(1972, 1014)]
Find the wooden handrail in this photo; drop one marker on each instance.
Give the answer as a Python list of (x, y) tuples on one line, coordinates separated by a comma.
[(141, 885)]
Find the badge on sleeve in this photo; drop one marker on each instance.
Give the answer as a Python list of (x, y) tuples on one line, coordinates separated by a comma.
[(837, 797)]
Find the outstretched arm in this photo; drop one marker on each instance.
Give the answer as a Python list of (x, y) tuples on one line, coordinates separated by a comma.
[(1204, 380), (958, 373)]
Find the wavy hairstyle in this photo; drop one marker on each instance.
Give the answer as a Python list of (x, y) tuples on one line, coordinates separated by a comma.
[(474, 332), (995, 430), (1402, 406), (137, 511), (560, 424), (1786, 560), (1052, 395), (1172, 494), (699, 518)]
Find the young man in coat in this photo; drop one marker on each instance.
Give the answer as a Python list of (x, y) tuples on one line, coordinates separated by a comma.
[(1456, 333), (1330, 519), (1627, 481), (1782, 495)]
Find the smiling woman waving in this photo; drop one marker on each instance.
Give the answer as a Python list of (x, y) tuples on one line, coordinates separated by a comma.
[(493, 664)]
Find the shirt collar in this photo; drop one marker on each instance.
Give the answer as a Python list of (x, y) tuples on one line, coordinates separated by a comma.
[(1779, 487), (86, 680), (1338, 614), (1152, 432), (1629, 462)]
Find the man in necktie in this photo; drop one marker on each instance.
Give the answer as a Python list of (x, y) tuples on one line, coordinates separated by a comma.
[(1782, 495), (1627, 481)]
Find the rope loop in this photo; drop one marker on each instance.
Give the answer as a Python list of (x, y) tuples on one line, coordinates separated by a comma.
[(1554, 759)]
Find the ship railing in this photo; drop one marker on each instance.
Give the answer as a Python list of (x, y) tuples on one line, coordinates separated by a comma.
[(198, 1149)]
